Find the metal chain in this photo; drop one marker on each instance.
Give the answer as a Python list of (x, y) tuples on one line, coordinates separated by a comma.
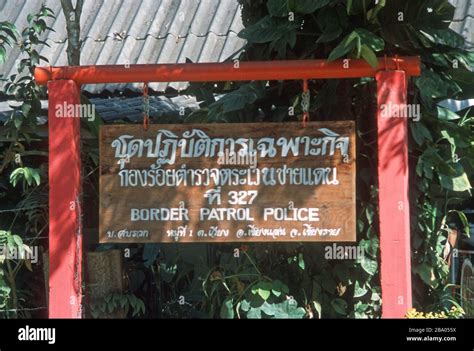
[(146, 107), (305, 102)]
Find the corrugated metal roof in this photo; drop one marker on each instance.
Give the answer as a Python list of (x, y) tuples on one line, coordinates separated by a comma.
[(162, 108), (156, 31), (463, 24), (147, 31), (464, 20)]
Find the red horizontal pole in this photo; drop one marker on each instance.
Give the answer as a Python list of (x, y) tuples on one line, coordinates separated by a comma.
[(227, 71)]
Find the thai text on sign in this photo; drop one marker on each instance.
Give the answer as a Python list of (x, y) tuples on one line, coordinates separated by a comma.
[(228, 182)]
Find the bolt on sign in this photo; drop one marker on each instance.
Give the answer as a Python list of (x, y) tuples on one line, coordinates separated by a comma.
[(247, 182)]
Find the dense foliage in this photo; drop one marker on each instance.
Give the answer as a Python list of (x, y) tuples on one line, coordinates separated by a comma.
[(441, 153), (23, 168)]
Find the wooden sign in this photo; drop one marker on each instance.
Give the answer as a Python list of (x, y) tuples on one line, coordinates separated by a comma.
[(249, 182)]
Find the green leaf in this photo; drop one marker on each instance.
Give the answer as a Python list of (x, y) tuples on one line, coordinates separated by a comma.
[(345, 46), (17, 121), (368, 265), (369, 214), (264, 293), (35, 59), (330, 28), (198, 116), (445, 36), (464, 221), (237, 99), (373, 246), (420, 132), (254, 313), (367, 54), (340, 306), (327, 281), (360, 309), (462, 136), (464, 78), (402, 21), (168, 271), (431, 84), (14, 176), (375, 297), (425, 271), (94, 313), (370, 39), (264, 31), (92, 123), (456, 183), (110, 307), (227, 308), (359, 290), (278, 288), (348, 6), (150, 253), (27, 174), (141, 307), (278, 8), (262, 289), (329, 36), (447, 169), (268, 309), (309, 6), (288, 309), (317, 307), (342, 272), (282, 8), (446, 114), (301, 263), (37, 27), (360, 225), (9, 29), (18, 241), (3, 54), (445, 134), (245, 305), (280, 44), (36, 176), (373, 12)]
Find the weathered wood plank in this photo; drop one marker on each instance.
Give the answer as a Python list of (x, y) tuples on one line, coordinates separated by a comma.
[(304, 172)]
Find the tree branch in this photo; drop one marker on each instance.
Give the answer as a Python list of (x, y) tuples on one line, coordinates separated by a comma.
[(67, 7), (73, 26)]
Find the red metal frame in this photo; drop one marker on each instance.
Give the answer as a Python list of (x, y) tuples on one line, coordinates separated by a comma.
[(65, 226), (215, 72), (394, 213), (65, 229)]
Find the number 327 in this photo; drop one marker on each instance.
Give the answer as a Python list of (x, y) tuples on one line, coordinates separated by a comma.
[(242, 197)]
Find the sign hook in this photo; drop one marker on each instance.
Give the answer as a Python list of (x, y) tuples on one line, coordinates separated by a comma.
[(397, 63)]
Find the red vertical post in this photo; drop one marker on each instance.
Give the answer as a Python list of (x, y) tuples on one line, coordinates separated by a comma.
[(393, 194), (65, 230)]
